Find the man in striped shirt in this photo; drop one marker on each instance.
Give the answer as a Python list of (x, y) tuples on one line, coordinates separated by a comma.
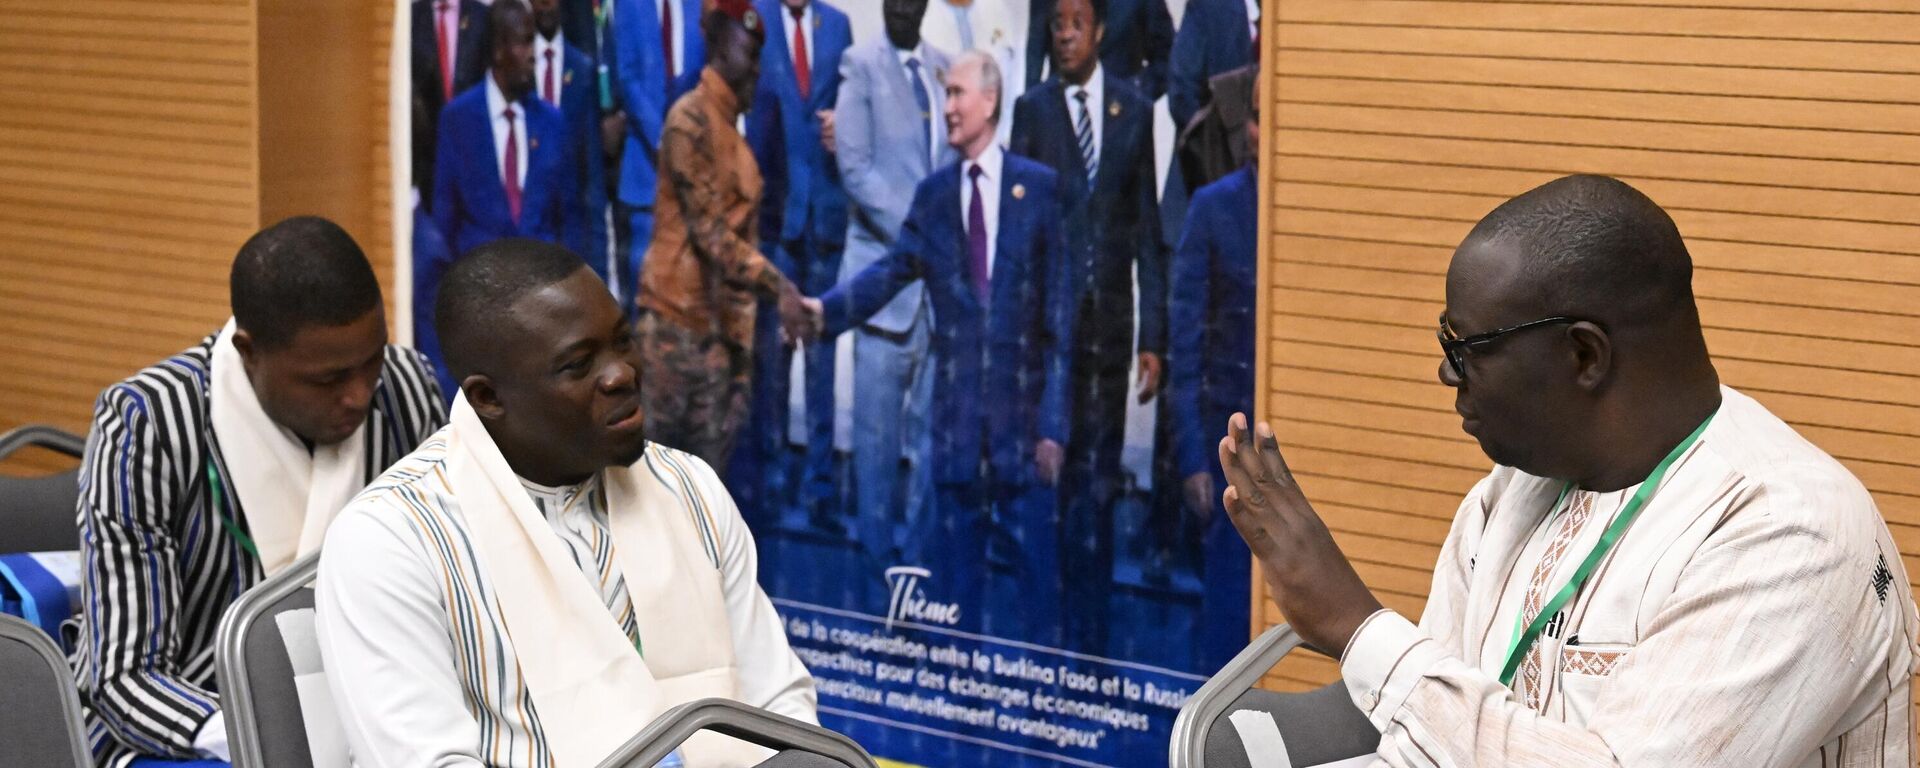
[(538, 581), (1658, 571), (196, 477)]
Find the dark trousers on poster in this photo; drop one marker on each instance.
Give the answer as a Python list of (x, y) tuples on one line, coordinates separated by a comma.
[(1226, 570), (639, 232), (818, 264), (1091, 486), (993, 549), (758, 477), (892, 384)]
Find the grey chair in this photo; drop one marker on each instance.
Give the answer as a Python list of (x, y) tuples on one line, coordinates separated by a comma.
[(796, 744), (265, 727), (1319, 726), (40, 724), (37, 513)]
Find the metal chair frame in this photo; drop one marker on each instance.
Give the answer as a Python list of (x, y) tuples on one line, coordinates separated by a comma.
[(1188, 747), (237, 697), (732, 718), (18, 630), (43, 436)]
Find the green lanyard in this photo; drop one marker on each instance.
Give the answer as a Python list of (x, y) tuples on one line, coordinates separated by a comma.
[(1523, 639), (220, 508)]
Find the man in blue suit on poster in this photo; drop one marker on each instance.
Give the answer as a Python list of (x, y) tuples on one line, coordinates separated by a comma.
[(1096, 131), (1215, 36), (564, 76), (505, 166), (889, 135), (448, 56), (803, 229), (657, 56), (1210, 356), (984, 236)]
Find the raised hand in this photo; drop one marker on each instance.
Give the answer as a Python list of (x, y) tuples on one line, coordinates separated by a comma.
[(1313, 583)]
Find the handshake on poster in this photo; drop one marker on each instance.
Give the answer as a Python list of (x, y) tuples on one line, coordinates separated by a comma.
[(800, 316)]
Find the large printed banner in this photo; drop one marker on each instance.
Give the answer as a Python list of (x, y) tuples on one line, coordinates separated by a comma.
[(951, 618)]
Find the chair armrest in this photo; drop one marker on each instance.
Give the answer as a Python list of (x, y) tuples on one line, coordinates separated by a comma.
[(1187, 749), (230, 663), (732, 718), (50, 438)]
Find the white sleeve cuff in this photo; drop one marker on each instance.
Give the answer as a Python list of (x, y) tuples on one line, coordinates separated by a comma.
[(1385, 658), (211, 741)]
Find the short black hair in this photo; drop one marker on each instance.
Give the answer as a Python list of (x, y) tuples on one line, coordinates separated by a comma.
[(301, 272), (1596, 248), (1099, 11), (481, 285)]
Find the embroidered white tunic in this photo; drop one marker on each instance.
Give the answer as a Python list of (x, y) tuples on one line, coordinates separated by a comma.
[(1756, 613), (419, 658)]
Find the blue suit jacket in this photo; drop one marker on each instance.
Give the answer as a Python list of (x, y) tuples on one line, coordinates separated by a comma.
[(1135, 46), (640, 73), (1213, 38), (580, 105), (882, 150), (999, 370), (469, 65), (1113, 225), (1210, 357), (803, 200), (469, 201)]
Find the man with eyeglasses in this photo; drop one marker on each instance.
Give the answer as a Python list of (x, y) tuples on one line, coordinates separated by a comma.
[(1657, 572)]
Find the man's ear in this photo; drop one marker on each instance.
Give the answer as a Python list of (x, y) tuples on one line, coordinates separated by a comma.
[(481, 395), (243, 343), (1592, 355)]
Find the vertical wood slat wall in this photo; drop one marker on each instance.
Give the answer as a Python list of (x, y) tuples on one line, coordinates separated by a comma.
[(131, 158), (1783, 136)]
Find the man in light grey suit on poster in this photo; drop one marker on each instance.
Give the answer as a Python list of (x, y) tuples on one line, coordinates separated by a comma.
[(889, 135)]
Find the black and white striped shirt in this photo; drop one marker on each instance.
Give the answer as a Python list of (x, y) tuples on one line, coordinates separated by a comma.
[(160, 565)]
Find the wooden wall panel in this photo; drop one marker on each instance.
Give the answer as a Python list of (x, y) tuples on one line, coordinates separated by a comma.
[(140, 144), (129, 171), (1784, 137)]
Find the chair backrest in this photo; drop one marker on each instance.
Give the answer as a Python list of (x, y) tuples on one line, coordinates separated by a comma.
[(37, 513), (265, 726), (1319, 726), (40, 723), (798, 744)]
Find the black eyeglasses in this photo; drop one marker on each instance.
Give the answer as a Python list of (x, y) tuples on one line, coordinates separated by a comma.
[(1455, 346)]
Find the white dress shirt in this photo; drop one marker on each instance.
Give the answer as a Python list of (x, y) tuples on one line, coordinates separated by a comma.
[(991, 163), (1755, 613), (558, 63), (1096, 113), (497, 110), (806, 33), (418, 657), (1253, 19)]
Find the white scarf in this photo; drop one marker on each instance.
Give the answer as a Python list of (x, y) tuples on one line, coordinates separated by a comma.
[(593, 691), (288, 494)]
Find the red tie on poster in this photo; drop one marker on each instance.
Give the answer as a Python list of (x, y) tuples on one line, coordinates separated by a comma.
[(666, 38), (443, 33), (802, 71), (511, 170), (546, 85)]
